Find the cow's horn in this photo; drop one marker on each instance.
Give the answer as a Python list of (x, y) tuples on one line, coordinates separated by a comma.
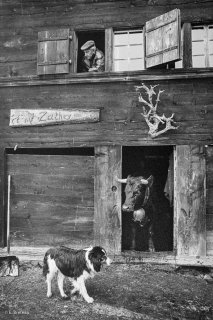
[(144, 181), (121, 180)]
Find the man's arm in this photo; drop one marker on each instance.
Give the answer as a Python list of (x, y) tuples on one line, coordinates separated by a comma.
[(98, 64)]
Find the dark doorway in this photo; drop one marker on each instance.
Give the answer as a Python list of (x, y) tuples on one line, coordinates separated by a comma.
[(146, 161)]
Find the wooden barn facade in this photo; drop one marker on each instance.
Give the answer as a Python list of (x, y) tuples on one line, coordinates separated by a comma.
[(66, 135)]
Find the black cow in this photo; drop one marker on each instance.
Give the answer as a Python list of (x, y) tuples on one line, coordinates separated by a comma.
[(138, 202), (148, 214)]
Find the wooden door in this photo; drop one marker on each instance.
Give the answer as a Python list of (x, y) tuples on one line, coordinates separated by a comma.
[(52, 200), (108, 198), (209, 200), (190, 214)]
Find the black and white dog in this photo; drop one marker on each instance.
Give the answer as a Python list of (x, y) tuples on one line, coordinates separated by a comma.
[(77, 265)]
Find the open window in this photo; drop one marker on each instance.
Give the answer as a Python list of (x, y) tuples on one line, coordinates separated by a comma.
[(128, 53), (155, 44), (59, 51), (202, 46), (197, 42), (82, 37)]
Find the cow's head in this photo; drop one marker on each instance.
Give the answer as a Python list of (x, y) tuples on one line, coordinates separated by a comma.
[(137, 192)]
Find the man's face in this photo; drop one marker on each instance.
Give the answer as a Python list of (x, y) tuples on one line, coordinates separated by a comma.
[(89, 53)]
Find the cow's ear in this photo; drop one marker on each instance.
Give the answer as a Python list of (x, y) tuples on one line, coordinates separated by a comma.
[(150, 181)]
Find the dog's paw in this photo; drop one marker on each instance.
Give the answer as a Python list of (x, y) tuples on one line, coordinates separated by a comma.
[(49, 295), (64, 297), (89, 300)]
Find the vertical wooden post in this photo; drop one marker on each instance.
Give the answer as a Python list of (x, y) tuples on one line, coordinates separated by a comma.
[(73, 51), (187, 45), (2, 193), (190, 185), (8, 214), (108, 198), (108, 49)]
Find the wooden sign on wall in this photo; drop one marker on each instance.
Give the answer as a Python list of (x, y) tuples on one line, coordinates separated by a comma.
[(44, 117)]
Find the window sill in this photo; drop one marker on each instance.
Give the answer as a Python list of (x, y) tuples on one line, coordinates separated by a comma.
[(105, 77)]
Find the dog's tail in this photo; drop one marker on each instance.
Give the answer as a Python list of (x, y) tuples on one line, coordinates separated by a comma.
[(45, 265)]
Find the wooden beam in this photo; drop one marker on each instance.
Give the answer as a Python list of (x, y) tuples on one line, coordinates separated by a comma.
[(36, 254), (2, 196), (109, 77)]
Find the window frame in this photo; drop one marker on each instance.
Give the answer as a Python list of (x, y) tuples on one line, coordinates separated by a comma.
[(128, 45), (206, 28)]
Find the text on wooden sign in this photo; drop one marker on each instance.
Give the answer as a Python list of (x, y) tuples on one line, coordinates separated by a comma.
[(36, 117)]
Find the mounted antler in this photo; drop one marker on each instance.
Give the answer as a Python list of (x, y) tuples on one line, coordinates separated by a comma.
[(151, 117)]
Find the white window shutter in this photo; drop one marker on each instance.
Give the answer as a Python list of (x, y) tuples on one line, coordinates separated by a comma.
[(163, 39)]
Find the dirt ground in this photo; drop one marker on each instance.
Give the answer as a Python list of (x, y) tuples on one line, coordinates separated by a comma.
[(121, 291)]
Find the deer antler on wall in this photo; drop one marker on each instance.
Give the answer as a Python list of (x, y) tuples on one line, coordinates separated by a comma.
[(151, 117)]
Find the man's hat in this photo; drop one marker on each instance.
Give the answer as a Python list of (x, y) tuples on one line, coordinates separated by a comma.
[(88, 45)]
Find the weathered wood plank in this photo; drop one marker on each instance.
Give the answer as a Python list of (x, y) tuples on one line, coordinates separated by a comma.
[(64, 201), (75, 239), (190, 200), (108, 198), (209, 242), (106, 77), (49, 164), (27, 209), (53, 185), (124, 127)]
